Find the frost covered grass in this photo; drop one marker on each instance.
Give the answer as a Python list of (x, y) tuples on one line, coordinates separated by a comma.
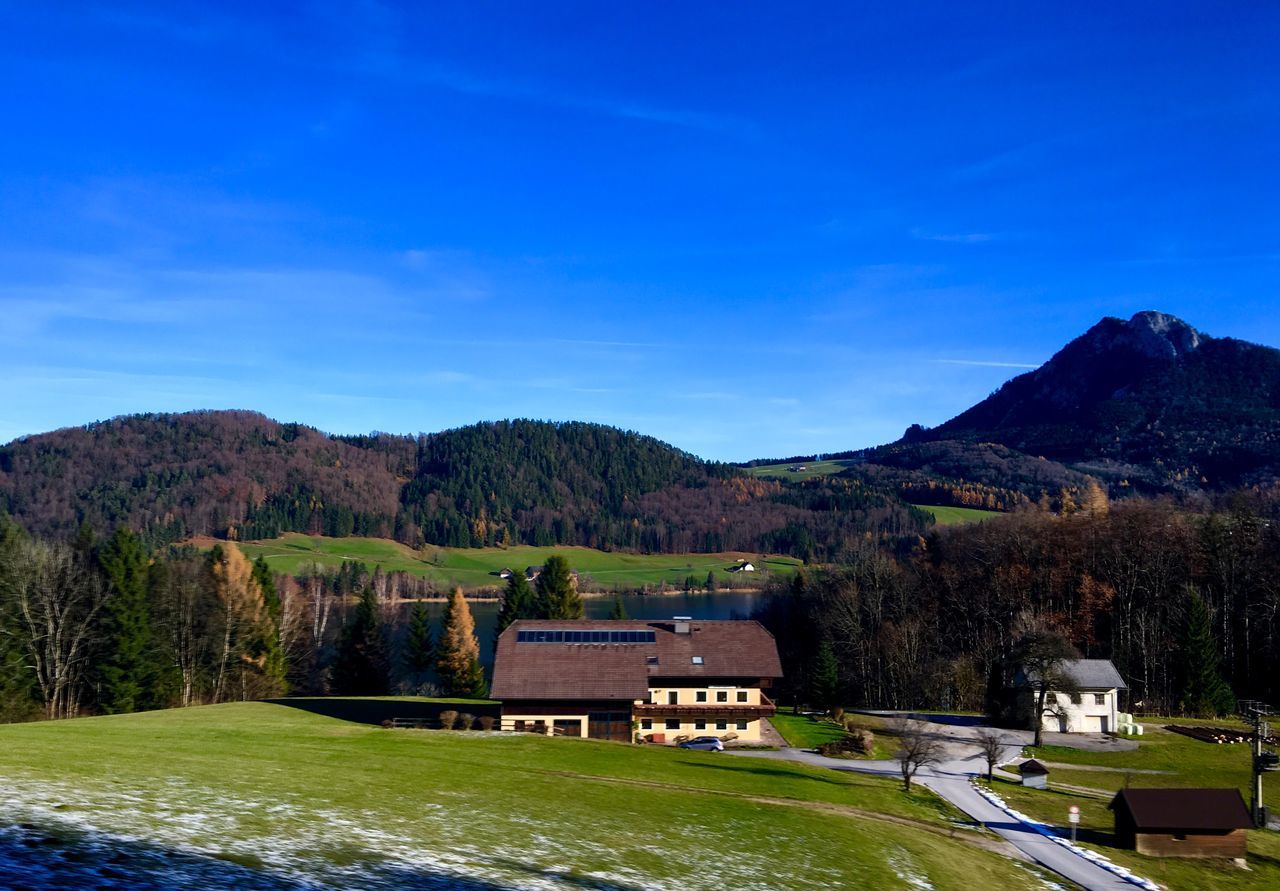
[(258, 794)]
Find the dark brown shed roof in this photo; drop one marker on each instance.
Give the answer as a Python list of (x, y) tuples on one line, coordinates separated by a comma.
[(1183, 810), (1032, 767), (725, 650)]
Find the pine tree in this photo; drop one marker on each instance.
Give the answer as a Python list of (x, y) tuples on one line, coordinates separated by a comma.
[(824, 684), (267, 645), (556, 595), (361, 667), (517, 603), (459, 652), (1203, 691), (712, 584), (126, 666), (420, 648), (619, 612)]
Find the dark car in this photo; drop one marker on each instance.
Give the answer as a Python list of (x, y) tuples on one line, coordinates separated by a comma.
[(704, 744)]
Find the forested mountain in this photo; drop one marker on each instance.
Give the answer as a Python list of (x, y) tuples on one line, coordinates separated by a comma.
[(240, 475), (1150, 403)]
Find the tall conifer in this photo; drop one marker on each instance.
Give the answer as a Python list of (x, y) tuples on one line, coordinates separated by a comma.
[(362, 667), (517, 603), (556, 592), (126, 665), (459, 662), (1203, 691)]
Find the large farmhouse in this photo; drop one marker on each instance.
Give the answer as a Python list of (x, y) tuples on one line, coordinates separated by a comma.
[(673, 679), (1091, 707)]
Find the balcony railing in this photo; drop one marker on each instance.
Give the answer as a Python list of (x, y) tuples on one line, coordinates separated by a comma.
[(726, 710)]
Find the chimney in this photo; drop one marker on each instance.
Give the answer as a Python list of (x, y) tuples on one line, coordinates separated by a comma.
[(682, 624)]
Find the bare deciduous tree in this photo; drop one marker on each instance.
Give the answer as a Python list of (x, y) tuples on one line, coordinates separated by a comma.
[(917, 747), (58, 595), (991, 744)]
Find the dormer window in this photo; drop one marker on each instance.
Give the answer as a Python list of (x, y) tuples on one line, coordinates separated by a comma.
[(697, 660)]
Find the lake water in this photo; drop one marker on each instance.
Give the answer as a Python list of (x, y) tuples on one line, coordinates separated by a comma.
[(720, 605)]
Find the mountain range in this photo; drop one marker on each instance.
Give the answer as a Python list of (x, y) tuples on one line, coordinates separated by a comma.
[(1148, 405)]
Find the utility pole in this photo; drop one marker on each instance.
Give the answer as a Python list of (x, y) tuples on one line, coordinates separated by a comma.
[(1256, 712)]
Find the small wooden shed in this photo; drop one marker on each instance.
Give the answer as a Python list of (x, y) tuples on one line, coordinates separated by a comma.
[(1182, 822), (1034, 774)]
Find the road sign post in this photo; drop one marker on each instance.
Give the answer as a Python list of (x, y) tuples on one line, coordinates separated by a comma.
[(1073, 814)]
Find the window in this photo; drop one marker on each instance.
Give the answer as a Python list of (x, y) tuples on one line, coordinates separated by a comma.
[(742, 695), (650, 660), (700, 696), (697, 660), (722, 696), (673, 697), (742, 725), (1099, 698), (722, 725), (646, 724), (699, 725), (673, 724)]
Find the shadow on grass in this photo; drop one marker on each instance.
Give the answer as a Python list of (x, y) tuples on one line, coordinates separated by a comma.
[(375, 711), (774, 772), (61, 859)]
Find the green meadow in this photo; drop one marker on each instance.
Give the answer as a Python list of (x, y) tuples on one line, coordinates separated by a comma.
[(478, 567), (947, 516), (306, 798), (811, 470)]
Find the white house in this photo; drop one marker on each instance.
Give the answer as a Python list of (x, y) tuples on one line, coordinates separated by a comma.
[(1092, 708), (744, 566)]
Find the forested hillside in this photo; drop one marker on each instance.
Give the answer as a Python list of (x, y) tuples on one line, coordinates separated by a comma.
[(242, 476)]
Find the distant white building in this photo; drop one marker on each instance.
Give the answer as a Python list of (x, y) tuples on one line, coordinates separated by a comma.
[(1093, 708), (744, 566)]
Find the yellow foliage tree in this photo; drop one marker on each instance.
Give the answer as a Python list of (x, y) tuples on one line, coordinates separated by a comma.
[(459, 662)]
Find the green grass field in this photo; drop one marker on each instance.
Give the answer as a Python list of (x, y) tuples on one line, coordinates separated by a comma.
[(300, 797), (1183, 762), (947, 516), (476, 567), (811, 469)]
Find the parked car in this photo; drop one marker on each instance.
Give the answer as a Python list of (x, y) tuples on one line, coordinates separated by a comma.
[(704, 744)]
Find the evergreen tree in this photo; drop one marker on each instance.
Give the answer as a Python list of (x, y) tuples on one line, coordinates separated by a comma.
[(824, 682), (459, 652), (126, 664), (268, 646), (690, 583), (1203, 692), (711, 584), (619, 612), (19, 699), (361, 667), (517, 603), (420, 648), (556, 595)]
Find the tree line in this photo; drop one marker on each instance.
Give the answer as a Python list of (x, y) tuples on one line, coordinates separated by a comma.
[(1184, 600)]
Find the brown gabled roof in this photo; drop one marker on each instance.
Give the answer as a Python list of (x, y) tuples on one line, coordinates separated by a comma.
[(1032, 767), (1183, 810), (728, 649)]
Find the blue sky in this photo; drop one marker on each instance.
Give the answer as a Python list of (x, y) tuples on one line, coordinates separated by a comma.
[(747, 229)]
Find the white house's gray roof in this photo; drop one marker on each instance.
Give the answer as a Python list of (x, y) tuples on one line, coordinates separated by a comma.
[(1089, 674)]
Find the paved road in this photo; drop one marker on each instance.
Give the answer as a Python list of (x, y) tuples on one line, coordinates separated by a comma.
[(950, 779)]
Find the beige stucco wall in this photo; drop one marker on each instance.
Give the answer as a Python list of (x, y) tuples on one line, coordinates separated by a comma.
[(690, 728), (689, 695), (509, 722)]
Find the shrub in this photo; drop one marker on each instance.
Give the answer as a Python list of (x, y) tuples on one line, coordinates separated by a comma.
[(860, 742), (486, 722), (837, 713), (465, 720), (388, 724), (448, 718)]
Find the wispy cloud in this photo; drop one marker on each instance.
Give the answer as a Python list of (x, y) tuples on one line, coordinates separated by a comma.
[(954, 237), (983, 363)]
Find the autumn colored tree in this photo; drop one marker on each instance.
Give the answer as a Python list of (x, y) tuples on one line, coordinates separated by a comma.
[(556, 591), (459, 652), (247, 629)]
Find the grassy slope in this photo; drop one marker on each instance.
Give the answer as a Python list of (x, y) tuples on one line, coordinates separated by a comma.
[(946, 516), (1189, 763), (473, 567), (811, 469), (308, 796)]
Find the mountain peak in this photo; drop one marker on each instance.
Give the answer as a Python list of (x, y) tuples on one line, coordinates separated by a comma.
[(1162, 336)]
